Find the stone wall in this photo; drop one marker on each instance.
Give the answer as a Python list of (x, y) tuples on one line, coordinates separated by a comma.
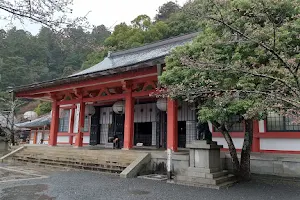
[(271, 164), (261, 163), (158, 162)]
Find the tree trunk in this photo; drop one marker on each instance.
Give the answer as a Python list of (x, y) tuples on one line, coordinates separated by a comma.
[(245, 174), (232, 149)]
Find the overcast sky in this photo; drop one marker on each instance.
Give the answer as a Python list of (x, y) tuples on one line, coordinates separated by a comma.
[(107, 12)]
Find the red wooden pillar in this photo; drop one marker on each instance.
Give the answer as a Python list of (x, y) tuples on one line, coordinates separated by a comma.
[(172, 125), (35, 137), (72, 125), (72, 120), (71, 140), (129, 120), (256, 139), (79, 138), (54, 124)]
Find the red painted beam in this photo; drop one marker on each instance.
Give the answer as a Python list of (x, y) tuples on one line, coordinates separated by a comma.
[(280, 135), (66, 102), (143, 93), (94, 81), (104, 98)]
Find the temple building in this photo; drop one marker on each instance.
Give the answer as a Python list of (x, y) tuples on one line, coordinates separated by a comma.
[(114, 98)]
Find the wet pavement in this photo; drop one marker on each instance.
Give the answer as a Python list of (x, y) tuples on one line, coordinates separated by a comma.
[(84, 185)]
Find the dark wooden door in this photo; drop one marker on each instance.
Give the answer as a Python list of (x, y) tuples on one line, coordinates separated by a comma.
[(161, 129), (181, 134), (118, 124), (95, 127)]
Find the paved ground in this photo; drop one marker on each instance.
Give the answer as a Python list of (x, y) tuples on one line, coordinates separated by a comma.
[(77, 185)]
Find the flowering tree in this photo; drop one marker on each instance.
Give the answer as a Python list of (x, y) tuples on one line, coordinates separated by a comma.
[(245, 62), (52, 14)]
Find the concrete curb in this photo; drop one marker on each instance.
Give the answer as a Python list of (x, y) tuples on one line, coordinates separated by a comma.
[(134, 168)]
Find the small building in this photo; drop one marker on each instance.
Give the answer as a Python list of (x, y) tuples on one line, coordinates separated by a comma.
[(114, 98), (39, 129)]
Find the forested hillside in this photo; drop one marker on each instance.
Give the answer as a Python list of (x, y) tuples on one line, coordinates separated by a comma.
[(27, 58)]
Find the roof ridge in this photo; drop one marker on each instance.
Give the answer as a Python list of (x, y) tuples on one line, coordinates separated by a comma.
[(156, 44)]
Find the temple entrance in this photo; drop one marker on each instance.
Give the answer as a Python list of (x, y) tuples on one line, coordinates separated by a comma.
[(182, 134), (95, 128), (118, 127), (143, 133), (161, 129)]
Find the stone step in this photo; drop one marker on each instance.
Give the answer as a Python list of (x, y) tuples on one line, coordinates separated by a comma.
[(195, 173), (217, 174), (56, 149), (195, 184), (203, 170), (200, 180), (78, 158), (113, 161), (96, 161), (97, 154), (72, 157), (107, 168), (65, 160), (79, 150), (110, 157)]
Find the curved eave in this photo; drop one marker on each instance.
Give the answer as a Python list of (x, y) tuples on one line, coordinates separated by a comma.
[(79, 78)]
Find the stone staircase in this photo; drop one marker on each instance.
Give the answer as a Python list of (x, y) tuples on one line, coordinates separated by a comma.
[(198, 178), (113, 161)]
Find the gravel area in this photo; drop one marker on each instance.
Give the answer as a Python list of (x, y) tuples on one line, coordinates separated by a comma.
[(77, 185)]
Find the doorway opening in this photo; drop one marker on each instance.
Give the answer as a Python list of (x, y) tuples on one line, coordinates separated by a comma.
[(143, 133), (181, 134)]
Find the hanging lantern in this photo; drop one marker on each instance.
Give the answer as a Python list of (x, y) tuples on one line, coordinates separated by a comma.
[(89, 110), (30, 115), (162, 104), (119, 107)]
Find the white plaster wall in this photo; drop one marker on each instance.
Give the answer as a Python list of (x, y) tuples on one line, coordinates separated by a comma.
[(186, 112), (238, 142), (39, 137), (32, 134), (104, 133), (191, 131), (31, 142), (86, 139), (46, 135), (106, 115), (76, 117), (261, 126), (74, 139), (153, 133), (62, 139), (280, 144), (145, 113), (71, 112)]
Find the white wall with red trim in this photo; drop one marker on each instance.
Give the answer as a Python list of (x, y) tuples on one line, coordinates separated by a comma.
[(263, 140)]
